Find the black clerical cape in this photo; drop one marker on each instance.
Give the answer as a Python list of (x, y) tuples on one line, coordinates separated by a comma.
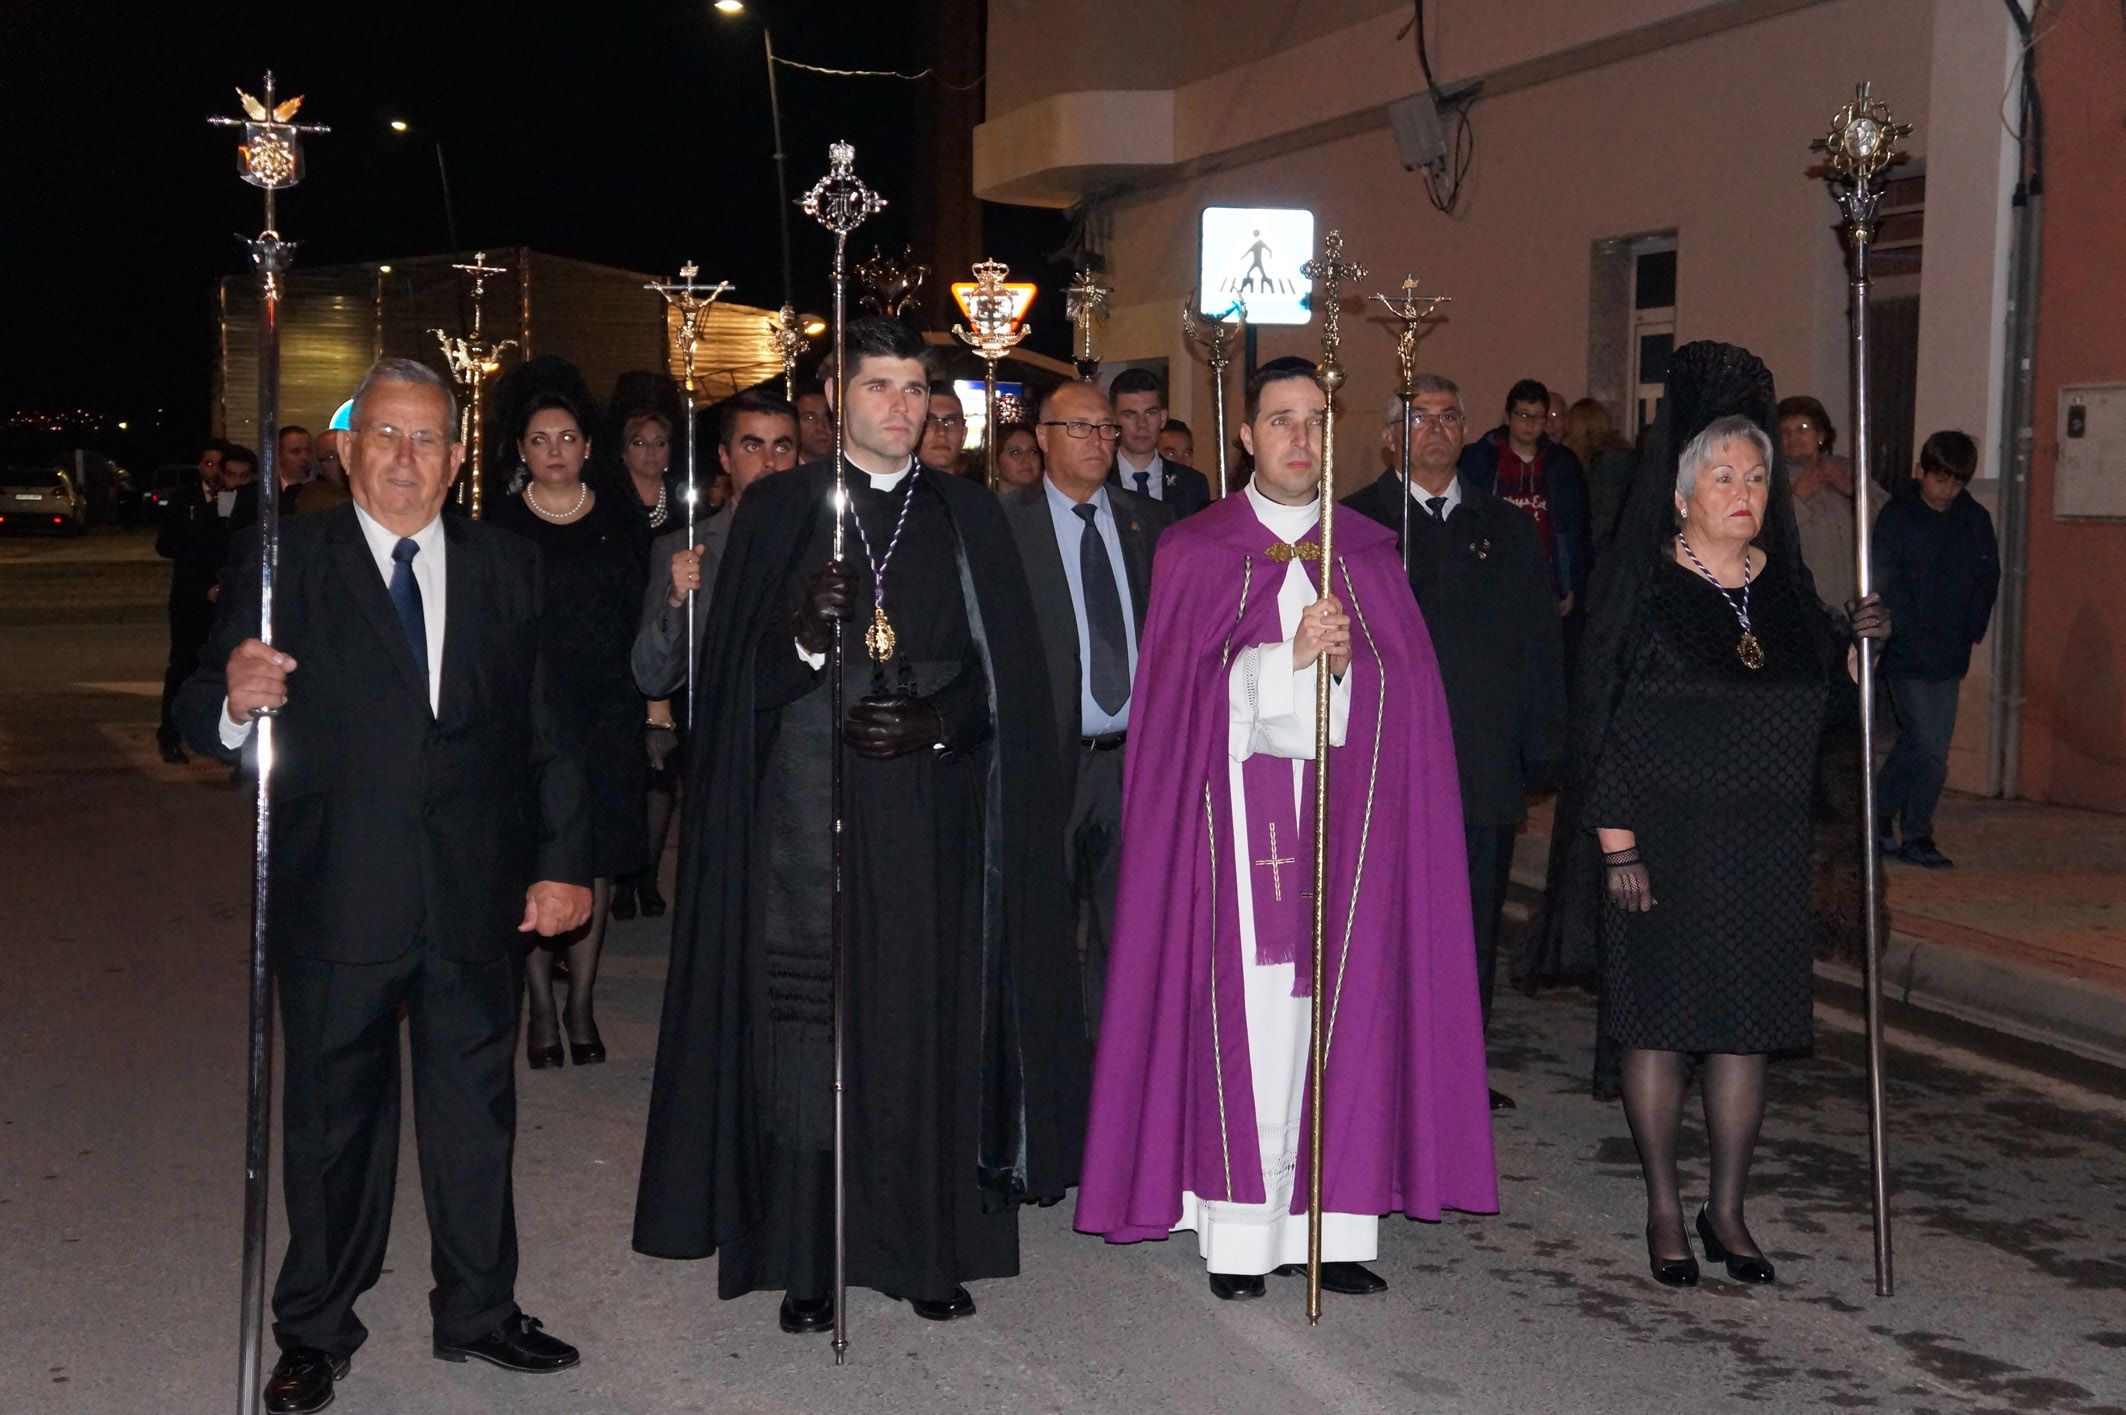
[(964, 1052)]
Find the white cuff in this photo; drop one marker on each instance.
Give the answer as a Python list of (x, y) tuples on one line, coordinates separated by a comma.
[(813, 661), (233, 734)]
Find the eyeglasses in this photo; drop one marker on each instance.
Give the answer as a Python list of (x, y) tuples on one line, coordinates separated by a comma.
[(424, 441), (1079, 429), (1447, 419)]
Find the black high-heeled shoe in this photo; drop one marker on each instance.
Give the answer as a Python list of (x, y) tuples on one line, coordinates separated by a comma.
[(541, 1058), (623, 904), (1752, 1268), (1670, 1272), (589, 1053), (651, 901)]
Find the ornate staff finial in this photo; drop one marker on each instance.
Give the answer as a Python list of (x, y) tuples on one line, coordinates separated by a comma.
[(1085, 300), (994, 307), (1216, 336), (472, 362), (1330, 270), (1862, 143), (270, 157), (1410, 314), (840, 201)]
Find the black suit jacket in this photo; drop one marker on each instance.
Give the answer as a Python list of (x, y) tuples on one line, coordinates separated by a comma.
[(1184, 490), (391, 826), (1138, 522), (194, 537), (1484, 588)]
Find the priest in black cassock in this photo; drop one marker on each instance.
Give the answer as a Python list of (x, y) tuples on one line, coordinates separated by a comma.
[(965, 1051)]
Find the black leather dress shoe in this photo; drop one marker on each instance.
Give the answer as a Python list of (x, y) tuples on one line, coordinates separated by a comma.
[(949, 1309), (1236, 1287), (652, 902), (1752, 1268), (516, 1345), (798, 1315), (1501, 1101), (1348, 1279), (302, 1380), (1671, 1272), (173, 753)]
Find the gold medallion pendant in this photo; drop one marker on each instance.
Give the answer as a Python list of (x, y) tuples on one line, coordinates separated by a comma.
[(1749, 651), (878, 639)]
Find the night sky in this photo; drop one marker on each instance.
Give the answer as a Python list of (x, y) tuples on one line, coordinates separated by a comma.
[(634, 133)]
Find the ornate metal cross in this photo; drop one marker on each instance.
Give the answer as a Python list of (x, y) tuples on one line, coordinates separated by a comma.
[(1861, 144), (1410, 314), (1330, 270), (692, 299), (1085, 300)]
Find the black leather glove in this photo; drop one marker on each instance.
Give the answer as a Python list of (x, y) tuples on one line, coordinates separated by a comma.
[(884, 728), (1870, 617), (830, 595), (1624, 875)]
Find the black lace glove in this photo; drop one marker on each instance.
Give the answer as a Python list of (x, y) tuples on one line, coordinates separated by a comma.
[(1870, 617), (884, 728), (830, 595), (1624, 876)]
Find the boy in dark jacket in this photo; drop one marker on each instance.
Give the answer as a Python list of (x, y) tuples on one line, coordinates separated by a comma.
[(1937, 566)]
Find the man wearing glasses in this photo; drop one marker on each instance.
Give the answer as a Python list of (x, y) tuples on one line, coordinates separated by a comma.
[(1140, 407), (1478, 573), (1519, 463), (1087, 548), (944, 445)]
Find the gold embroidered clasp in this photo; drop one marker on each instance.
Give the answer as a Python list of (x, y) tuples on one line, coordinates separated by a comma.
[(1285, 554)]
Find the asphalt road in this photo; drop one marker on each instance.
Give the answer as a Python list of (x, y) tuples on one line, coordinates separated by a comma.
[(121, 1045)]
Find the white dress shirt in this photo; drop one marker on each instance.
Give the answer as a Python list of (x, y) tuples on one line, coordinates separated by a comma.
[(1453, 493), (1093, 721), (427, 574), (1154, 470)]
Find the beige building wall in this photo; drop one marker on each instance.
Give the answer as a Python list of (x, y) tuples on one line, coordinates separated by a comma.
[(1599, 122)]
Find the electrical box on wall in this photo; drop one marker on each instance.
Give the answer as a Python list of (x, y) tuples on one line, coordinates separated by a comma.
[(2091, 481)]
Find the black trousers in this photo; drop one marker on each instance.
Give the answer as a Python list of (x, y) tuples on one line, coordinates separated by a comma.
[(340, 1144), (1092, 853), (1490, 872), (189, 627)]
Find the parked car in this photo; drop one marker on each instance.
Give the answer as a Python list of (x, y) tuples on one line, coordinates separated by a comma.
[(42, 498), (165, 483)]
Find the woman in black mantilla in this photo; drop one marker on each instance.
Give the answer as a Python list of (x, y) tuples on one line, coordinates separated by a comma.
[(596, 553), (1708, 674)]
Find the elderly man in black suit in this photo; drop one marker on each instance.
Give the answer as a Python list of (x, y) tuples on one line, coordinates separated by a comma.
[(427, 811), (1087, 548), (1482, 582), (1140, 410)]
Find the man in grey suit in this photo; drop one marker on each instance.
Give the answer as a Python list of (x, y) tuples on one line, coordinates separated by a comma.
[(758, 435), (1087, 548)]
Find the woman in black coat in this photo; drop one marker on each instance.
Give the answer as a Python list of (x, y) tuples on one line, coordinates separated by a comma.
[(596, 555), (1707, 679)]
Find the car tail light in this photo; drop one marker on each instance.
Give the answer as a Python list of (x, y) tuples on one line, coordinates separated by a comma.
[(58, 520)]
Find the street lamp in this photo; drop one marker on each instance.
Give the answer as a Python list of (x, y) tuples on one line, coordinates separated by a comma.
[(450, 217), (782, 181)]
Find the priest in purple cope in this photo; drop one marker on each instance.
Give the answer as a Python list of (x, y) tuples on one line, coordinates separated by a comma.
[(1199, 1105)]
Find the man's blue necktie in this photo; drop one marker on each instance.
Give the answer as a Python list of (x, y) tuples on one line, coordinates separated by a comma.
[(406, 599), (1144, 483), (1109, 657)]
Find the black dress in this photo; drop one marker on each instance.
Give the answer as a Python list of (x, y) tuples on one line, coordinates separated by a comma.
[(1712, 764), (596, 571)]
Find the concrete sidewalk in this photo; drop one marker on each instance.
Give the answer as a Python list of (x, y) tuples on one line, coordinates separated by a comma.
[(2026, 935)]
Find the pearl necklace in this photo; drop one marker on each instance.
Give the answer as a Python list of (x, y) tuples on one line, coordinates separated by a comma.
[(583, 494), (664, 500)]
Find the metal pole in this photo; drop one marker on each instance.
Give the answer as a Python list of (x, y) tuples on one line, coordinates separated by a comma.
[(1404, 397), (272, 159), (1863, 537), (989, 419), (450, 215), (685, 295), (1332, 270), (693, 650), (841, 203), (1861, 144), (782, 181)]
